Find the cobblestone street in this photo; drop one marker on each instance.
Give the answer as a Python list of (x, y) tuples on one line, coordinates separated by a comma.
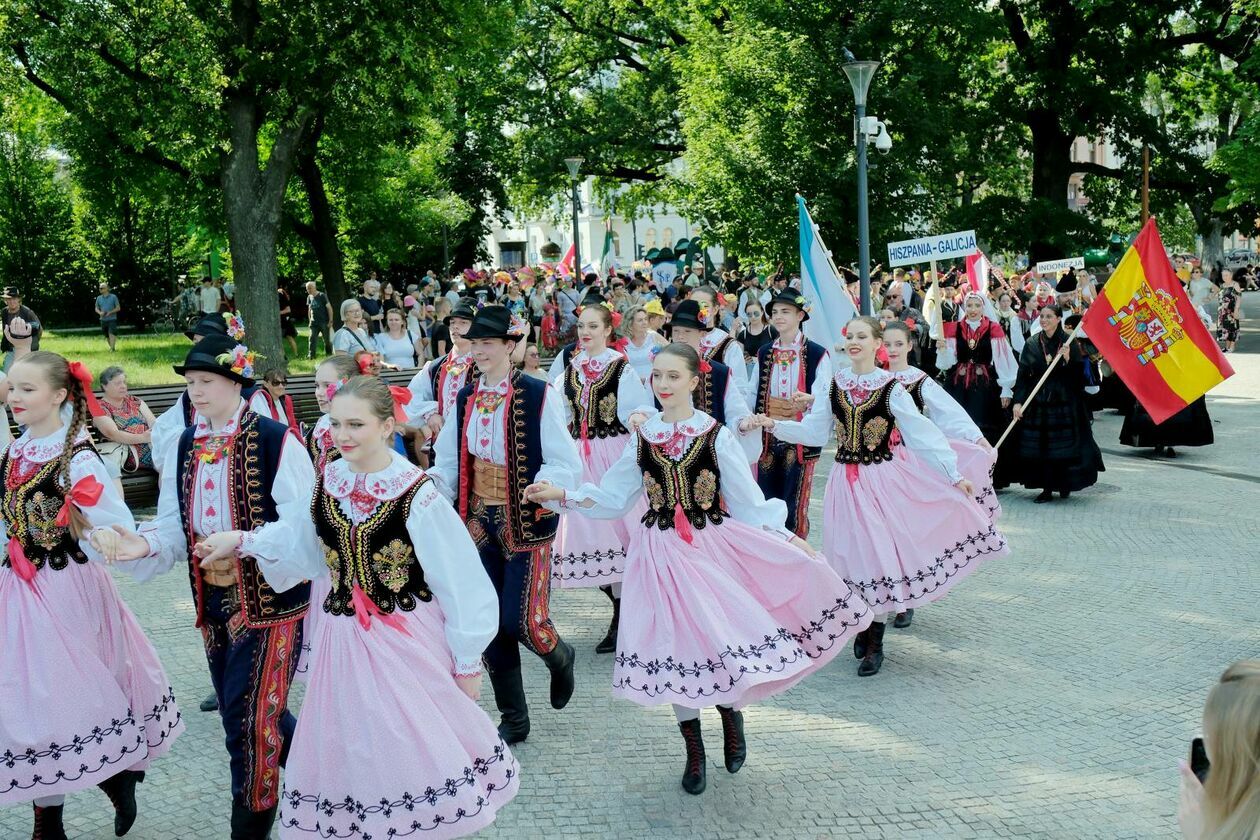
[(1049, 697)]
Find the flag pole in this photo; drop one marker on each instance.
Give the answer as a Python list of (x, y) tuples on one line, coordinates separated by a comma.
[(1037, 387)]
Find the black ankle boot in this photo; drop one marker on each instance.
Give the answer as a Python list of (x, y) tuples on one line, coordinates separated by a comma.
[(874, 657), (734, 747), (509, 697), (609, 642), (48, 823), (1063, 494), (210, 704), (903, 619), (560, 663), (121, 790), (693, 778), (859, 643), (251, 825), (1046, 496)]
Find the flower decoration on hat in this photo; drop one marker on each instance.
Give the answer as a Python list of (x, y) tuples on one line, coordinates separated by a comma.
[(235, 326), (518, 327), (240, 359), (703, 315)]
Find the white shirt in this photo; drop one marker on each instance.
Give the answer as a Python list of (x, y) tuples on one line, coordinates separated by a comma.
[(917, 432), (110, 508), (942, 409), (424, 402), (631, 395), (210, 508), (350, 341), (622, 485), (733, 358), (259, 405), (452, 566), (210, 297), (640, 355), (785, 378), (165, 432), (486, 439), (400, 352)]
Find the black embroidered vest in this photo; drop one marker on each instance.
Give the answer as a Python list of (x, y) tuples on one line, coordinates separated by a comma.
[(600, 412), (30, 512), (718, 351), (692, 481), (252, 460), (437, 379), (320, 457), (377, 553), (864, 432), (916, 393)]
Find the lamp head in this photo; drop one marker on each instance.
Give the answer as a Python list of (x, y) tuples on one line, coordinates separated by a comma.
[(573, 164), (859, 74)]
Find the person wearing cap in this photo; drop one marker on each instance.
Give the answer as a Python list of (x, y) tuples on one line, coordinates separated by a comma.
[(719, 345), (435, 387), (786, 371), (21, 327), (509, 431), (716, 395), (240, 485)]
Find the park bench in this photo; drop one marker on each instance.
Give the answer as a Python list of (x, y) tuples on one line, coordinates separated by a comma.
[(141, 486)]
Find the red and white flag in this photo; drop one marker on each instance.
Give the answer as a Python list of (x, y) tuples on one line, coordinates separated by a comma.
[(979, 272), (566, 264)]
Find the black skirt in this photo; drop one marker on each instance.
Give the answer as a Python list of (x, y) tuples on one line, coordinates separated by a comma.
[(982, 400), (1056, 448), (1189, 427)]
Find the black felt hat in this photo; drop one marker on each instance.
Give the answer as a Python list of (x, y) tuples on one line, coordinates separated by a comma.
[(793, 298), (494, 321), (1067, 283), (212, 355), (466, 309), (208, 325), (688, 315)]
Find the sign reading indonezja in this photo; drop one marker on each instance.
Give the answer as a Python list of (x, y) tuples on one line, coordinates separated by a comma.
[(947, 246), (1052, 266)]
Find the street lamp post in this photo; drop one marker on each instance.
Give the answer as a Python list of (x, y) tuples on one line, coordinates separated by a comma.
[(859, 74), (573, 164)]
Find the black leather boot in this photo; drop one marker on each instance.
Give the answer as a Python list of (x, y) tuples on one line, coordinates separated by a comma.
[(609, 642), (734, 747), (903, 619), (48, 823), (509, 697), (251, 825), (210, 704), (859, 643), (121, 790), (1043, 497), (874, 657), (693, 778), (560, 663)]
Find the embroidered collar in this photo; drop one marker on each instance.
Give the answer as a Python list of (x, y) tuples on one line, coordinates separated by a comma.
[(583, 359), (847, 379), (713, 338), (656, 430), (909, 376), (501, 388), (797, 343), (202, 426), (455, 358), (389, 483), (44, 449)]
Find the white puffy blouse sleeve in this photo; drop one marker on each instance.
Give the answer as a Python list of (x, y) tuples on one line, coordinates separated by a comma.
[(422, 402), (445, 468), (734, 359), (1004, 364), (555, 373), (453, 570), (618, 489), (631, 396), (743, 497), (950, 417), (165, 532), (165, 433), (110, 508), (736, 408), (921, 435), (562, 465), (285, 550)]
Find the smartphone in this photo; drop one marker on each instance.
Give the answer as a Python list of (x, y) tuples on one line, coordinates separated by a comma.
[(1199, 764)]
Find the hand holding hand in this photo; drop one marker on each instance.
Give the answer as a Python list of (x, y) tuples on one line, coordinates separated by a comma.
[(434, 422), (802, 400), (637, 419), (217, 547), (470, 684), (117, 543), (543, 491)]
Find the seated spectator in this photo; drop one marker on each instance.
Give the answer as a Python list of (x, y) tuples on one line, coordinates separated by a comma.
[(1227, 805), (125, 425)]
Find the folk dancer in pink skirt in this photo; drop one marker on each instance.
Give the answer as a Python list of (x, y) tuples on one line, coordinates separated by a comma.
[(601, 391), (724, 605), (390, 740), (235, 492), (787, 370), (901, 524), (508, 432), (435, 388), (976, 457), (85, 700)]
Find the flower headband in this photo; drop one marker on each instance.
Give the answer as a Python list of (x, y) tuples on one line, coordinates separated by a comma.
[(240, 359), (235, 325)]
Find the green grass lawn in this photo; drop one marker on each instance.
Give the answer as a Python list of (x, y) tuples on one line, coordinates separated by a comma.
[(146, 357)]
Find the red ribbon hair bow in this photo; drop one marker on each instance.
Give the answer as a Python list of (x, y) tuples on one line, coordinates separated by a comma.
[(401, 396), (86, 492), (84, 377)]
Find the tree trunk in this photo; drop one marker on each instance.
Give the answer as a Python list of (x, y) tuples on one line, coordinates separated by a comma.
[(324, 237), (1052, 167), (253, 199), (1211, 229)]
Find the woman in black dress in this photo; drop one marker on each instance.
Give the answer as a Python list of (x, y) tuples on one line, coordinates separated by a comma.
[(1189, 427), (1053, 439)]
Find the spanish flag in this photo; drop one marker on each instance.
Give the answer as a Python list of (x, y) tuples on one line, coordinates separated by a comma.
[(1150, 334)]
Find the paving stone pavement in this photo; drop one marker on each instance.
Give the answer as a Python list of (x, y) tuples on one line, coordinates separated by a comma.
[(1049, 696)]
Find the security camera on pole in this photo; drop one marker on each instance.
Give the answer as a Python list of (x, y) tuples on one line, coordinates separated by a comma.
[(866, 130)]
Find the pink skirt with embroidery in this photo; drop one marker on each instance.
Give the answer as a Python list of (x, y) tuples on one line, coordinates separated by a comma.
[(976, 465), (83, 695), (386, 743), (901, 534), (736, 616), (592, 552)]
